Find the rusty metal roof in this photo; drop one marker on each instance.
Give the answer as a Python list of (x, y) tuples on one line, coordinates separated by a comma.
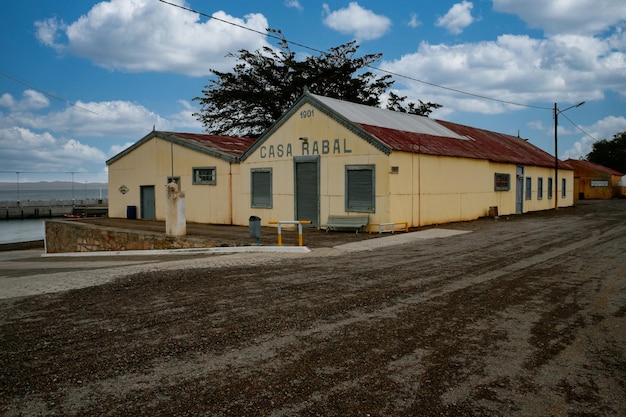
[(228, 148), (477, 144), (593, 166), (412, 133), (224, 145)]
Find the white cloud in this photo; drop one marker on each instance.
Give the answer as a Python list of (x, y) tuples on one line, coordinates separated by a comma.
[(146, 35), (26, 150), (115, 149), (183, 120), (580, 16), (295, 4), (48, 31), (31, 100), (103, 119), (363, 24), (458, 18), (514, 68), (603, 129), (7, 100), (73, 139), (414, 21)]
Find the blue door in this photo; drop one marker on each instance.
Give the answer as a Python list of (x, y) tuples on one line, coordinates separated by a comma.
[(148, 210), (307, 189), (519, 190)]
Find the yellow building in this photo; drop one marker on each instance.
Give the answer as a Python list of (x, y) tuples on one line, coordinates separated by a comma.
[(330, 157), (595, 181)]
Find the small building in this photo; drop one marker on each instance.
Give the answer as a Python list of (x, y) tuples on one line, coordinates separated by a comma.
[(328, 157), (594, 181), (202, 165)]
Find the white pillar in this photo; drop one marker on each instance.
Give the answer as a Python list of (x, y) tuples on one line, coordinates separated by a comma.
[(175, 220)]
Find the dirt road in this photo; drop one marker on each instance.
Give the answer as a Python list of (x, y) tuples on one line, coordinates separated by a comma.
[(523, 316)]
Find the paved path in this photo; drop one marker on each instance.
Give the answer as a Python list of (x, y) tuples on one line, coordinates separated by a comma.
[(32, 272)]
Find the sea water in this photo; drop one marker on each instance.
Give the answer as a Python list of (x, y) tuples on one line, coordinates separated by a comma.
[(16, 230), (12, 231)]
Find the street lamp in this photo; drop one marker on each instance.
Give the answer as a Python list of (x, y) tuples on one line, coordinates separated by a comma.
[(556, 153), (18, 188)]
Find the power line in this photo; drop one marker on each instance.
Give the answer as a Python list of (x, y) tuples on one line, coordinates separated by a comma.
[(578, 127), (52, 96), (17, 171), (270, 35)]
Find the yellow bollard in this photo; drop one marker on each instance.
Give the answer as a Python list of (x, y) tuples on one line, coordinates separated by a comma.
[(299, 223)]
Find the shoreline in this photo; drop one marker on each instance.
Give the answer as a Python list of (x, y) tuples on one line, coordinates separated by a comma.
[(31, 244)]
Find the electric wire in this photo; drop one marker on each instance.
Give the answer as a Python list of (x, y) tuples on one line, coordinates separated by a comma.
[(579, 128), (49, 172), (270, 35), (52, 96)]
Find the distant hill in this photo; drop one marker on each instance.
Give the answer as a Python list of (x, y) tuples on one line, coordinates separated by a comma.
[(51, 185)]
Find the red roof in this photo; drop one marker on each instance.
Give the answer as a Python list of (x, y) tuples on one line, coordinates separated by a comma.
[(225, 145), (478, 144), (594, 166)]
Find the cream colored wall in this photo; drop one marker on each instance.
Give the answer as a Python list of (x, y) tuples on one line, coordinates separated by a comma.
[(455, 189), (535, 203), (544, 203), (135, 169), (433, 189), (336, 147), (151, 164)]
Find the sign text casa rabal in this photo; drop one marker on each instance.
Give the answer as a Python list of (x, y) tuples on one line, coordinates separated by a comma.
[(314, 147)]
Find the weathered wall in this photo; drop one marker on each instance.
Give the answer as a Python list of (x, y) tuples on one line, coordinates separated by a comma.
[(69, 236), (336, 146), (151, 164)]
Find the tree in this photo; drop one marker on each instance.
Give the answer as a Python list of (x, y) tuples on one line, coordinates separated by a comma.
[(265, 83), (610, 153), (395, 103)]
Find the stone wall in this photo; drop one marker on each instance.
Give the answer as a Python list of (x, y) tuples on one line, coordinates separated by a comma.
[(72, 236)]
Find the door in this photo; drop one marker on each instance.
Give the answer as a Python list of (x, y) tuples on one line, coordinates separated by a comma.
[(307, 189), (519, 190), (148, 211)]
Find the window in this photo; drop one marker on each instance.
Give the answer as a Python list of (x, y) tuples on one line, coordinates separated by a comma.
[(203, 176), (549, 188), (539, 188), (529, 188), (563, 187), (502, 182), (360, 188), (261, 184)]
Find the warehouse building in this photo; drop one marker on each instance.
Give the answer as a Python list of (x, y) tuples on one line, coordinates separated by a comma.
[(595, 181), (327, 157)]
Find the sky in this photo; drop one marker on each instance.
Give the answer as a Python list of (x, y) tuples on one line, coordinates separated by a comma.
[(82, 80)]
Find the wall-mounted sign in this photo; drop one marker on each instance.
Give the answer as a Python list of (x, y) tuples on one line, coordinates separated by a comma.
[(314, 147), (123, 189), (599, 183)]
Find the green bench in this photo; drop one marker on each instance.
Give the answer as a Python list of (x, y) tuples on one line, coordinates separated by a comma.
[(345, 222)]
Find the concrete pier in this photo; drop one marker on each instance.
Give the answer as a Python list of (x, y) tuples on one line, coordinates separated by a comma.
[(52, 208)]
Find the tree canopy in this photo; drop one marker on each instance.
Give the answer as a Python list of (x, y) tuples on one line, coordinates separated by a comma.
[(610, 153), (265, 83)]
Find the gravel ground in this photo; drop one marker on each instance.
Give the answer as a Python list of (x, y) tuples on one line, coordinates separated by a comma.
[(523, 316)]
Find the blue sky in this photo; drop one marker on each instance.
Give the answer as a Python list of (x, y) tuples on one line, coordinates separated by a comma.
[(81, 80)]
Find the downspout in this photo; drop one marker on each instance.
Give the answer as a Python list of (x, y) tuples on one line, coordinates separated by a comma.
[(419, 182), (230, 192)]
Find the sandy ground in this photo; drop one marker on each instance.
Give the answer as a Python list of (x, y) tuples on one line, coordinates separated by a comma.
[(523, 316)]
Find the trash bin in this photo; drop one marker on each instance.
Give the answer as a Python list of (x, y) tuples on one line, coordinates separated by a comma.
[(131, 212), (255, 228)]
